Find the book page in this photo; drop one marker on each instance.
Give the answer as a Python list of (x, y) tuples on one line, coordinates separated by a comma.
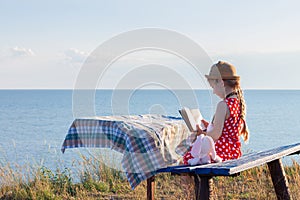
[(198, 117), (192, 117)]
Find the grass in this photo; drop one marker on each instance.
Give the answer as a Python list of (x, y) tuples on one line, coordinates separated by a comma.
[(97, 181)]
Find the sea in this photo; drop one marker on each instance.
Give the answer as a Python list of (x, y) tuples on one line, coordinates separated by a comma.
[(34, 123)]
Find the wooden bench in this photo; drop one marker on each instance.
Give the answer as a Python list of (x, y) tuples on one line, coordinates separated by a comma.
[(203, 173)]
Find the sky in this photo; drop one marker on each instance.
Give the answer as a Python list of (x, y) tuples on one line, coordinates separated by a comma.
[(45, 44)]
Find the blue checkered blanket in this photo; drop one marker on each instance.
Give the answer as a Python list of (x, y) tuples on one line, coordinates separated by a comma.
[(147, 142)]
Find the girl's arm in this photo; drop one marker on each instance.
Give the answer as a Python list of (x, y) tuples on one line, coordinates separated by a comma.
[(219, 119)]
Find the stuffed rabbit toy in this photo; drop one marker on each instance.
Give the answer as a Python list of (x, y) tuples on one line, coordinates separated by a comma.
[(203, 151)]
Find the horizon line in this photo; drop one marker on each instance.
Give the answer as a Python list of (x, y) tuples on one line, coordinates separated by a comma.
[(142, 89)]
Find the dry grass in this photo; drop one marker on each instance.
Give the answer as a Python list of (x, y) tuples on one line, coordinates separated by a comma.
[(100, 182)]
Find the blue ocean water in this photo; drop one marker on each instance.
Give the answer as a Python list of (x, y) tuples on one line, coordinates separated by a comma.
[(33, 123)]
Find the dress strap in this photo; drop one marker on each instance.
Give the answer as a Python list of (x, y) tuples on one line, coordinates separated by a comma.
[(231, 94)]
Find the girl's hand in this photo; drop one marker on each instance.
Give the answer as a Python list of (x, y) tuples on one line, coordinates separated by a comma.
[(200, 131), (205, 123)]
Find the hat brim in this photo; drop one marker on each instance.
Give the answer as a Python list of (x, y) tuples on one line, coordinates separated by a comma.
[(223, 77)]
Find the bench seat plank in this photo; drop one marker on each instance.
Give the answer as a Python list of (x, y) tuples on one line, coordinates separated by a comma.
[(232, 167)]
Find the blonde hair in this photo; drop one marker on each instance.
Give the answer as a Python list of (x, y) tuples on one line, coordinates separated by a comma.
[(235, 84)]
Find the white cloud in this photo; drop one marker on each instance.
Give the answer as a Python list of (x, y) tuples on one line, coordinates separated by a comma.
[(75, 56), (21, 52)]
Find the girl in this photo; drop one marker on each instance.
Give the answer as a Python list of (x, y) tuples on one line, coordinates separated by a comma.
[(228, 123)]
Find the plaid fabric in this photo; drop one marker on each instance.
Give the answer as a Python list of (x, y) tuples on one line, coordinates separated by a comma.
[(147, 142)]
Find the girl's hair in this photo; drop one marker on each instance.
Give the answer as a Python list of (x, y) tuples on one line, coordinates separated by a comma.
[(235, 84)]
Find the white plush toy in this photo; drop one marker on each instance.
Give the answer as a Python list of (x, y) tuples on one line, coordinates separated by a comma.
[(203, 151)]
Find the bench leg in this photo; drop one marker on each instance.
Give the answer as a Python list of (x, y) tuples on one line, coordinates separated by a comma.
[(150, 188), (279, 180), (203, 187)]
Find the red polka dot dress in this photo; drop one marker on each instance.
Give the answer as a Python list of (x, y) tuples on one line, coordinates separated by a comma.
[(228, 146)]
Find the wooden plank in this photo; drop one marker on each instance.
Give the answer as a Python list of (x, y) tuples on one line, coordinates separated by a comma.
[(181, 168), (197, 186), (203, 187), (150, 188), (279, 180)]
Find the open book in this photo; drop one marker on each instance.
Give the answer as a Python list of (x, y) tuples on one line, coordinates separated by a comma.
[(192, 117)]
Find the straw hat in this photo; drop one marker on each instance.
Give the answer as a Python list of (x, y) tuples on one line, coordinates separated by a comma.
[(222, 70)]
